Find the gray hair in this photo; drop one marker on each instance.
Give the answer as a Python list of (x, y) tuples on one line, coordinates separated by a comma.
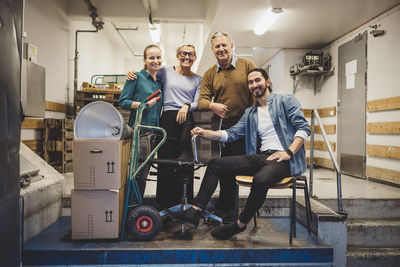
[(219, 34), (182, 46)]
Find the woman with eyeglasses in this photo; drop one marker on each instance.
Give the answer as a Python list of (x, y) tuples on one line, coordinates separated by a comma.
[(180, 97)]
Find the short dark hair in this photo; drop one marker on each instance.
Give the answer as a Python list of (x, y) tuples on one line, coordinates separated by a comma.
[(263, 73)]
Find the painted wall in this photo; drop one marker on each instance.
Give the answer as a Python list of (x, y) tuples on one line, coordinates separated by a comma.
[(383, 74), (99, 53), (382, 78), (47, 25), (382, 82)]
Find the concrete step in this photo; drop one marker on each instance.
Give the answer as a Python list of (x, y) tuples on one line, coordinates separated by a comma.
[(265, 245), (373, 257), (373, 233), (367, 208)]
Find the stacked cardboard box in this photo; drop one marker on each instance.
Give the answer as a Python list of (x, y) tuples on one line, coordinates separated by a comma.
[(100, 171)]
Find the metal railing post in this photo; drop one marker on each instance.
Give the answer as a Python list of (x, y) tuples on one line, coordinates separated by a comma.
[(339, 190), (338, 173), (312, 153)]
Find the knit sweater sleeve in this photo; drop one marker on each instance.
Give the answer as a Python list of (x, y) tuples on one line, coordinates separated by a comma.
[(206, 89)]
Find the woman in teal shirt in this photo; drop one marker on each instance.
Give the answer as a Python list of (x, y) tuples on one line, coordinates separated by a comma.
[(136, 91)]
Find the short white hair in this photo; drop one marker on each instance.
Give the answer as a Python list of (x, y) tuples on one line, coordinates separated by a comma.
[(219, 34)]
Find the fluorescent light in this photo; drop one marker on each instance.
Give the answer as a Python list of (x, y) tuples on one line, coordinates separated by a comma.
[(266, 22), (155, 33)]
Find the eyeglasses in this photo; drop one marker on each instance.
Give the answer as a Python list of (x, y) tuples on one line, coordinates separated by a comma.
[(184, 54)]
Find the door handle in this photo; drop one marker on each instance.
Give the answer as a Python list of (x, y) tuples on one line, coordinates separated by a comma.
[(96, 151)]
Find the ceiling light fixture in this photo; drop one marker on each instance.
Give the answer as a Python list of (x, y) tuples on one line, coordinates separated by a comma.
[(269, 18), (155, 32)]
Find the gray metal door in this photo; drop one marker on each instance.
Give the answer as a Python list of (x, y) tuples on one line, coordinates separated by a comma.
[(352, 105)]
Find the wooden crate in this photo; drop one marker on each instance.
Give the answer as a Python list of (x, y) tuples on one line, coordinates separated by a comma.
[(57, 143), (90, 93), (68, 137)]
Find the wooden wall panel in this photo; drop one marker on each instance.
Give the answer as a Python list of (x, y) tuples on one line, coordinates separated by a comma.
[(392, 152), (383, 127), (35, 145), (32, 123), (307, 113), (383, 174), (320, 145), (327, 163), (327, 112), (323, 112), (329, 129), (54, 106), (384, 104)]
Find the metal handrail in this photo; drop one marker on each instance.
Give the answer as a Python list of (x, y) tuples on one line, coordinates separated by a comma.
[(314, 114)]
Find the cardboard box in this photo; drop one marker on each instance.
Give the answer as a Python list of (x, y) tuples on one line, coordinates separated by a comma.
[(100, 164), (96, 214)]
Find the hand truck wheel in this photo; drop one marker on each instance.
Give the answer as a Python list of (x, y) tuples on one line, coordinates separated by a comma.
[(143, 223)]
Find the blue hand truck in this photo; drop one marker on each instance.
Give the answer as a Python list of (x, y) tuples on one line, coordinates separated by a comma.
[(143, 222)]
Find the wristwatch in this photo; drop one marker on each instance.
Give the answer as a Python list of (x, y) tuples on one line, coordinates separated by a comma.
[(290, 153), (187, 103)]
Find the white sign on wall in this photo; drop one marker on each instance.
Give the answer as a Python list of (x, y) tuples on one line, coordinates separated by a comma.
[(351, 70)]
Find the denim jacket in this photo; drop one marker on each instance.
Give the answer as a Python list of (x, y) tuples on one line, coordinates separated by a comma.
[(287, 118)]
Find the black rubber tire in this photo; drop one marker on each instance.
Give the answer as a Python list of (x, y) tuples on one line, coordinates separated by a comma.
[(143, 223)]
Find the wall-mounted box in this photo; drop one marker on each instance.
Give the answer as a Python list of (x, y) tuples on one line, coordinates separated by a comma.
[(33, 89)]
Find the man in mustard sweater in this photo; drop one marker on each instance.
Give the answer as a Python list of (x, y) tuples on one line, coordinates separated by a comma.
[(224, 91)]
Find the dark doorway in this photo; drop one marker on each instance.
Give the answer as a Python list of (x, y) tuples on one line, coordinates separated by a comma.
[(10, 129)]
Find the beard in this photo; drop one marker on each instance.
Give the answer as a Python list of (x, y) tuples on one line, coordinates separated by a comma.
[(260, 90)]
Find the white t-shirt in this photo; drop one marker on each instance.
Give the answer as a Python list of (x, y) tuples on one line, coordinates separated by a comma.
[(266, 131)]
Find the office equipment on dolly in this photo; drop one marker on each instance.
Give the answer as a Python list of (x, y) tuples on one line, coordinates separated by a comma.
[(191, 158), (141, 222), (100, 119)]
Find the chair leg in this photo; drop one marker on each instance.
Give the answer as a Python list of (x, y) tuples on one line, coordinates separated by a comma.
[(255, 219), (236, 215), (308, 200), (294, 207), (307, 208)]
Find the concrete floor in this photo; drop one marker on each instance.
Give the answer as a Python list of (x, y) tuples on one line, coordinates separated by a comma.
[(324, 186)]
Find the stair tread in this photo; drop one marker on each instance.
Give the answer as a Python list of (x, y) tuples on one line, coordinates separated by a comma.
[(372, 251), (373, 222)]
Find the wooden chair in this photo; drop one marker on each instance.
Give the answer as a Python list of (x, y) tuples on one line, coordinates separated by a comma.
[(297, 182)]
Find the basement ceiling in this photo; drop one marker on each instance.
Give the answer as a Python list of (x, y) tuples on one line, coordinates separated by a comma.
[(308, 24)]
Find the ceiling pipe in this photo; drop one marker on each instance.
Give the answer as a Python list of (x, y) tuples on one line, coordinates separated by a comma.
[(123, 39), (98, 25)]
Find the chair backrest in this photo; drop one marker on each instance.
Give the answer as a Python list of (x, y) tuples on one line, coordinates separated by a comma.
[(207, 149)]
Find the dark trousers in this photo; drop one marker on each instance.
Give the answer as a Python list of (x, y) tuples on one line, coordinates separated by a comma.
[(266, 173), (171, 177), (227, 182), (146, 145)]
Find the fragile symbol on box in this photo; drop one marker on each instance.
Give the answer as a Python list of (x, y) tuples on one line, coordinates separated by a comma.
[(110, 167), (108, 216)]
